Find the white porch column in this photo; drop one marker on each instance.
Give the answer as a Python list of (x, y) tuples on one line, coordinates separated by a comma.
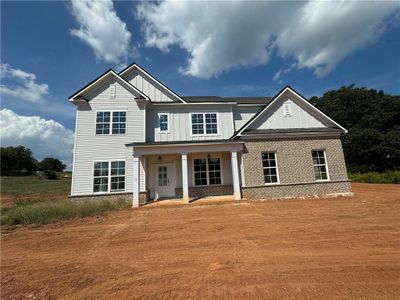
[(136, 180), (185, 181), (235, 175)]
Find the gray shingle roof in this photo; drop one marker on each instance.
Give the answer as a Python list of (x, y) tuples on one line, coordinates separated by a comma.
[(239, 100)]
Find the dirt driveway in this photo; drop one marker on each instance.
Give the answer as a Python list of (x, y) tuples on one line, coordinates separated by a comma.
[(341, 248)]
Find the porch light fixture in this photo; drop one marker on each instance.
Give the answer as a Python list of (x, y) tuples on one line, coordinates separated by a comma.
[(159, 158)]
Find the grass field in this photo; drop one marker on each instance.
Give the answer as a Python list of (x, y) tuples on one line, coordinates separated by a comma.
[(34, 187), (336, 248)]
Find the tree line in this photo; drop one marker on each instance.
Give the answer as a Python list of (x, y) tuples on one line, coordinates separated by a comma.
[(373, 121), (20, 161)]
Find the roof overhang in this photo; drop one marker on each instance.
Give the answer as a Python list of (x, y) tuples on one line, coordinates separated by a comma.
[(102, 77)]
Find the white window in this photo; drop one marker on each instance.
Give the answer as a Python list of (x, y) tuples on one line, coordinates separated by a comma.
[(113, 91), (106, 120), (108, 176), (287, 111), (118, 122), (320, 166), (103, 122), (204, 123), (163, 120), (207, 171), (270, 168)]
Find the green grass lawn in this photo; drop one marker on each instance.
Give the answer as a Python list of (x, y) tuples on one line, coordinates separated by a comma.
[(374, 177), (17, 186)]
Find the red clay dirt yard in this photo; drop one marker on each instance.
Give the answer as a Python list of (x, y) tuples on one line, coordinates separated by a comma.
[(345, 248)]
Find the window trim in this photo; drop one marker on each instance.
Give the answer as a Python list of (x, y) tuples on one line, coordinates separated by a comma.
[(277, 168), (328, 177), (111, 122), (168, 122), (204, 123), (108, 176), (208, 176)]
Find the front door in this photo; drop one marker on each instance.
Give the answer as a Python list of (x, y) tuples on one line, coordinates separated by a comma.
[(165, 181)]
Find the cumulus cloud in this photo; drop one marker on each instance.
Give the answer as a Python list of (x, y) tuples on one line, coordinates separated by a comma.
[(219, 36), (24, 86), (46, 138), (102, 30)]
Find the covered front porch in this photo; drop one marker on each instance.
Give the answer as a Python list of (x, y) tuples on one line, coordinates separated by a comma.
[(189, 170)]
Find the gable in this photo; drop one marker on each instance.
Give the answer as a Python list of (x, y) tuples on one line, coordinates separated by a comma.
[(147, 84), (103, 81), (287, 113), (104, 91), (308, 115)]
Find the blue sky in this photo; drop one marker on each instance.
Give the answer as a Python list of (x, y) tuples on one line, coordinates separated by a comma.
[(52, 49)]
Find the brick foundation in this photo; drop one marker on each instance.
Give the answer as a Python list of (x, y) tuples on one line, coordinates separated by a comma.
[(205, 191), (144, 197), (297, 190)]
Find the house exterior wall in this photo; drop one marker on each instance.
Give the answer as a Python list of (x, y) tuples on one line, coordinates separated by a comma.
[(144, 84), (226, 170), (180, 128), (295, 168), (90, 147), (242, 114), (275, 118)]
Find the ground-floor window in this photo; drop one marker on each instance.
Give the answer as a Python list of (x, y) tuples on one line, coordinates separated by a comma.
[(320, 166), (270, 168), (207, 171), (109, 176)]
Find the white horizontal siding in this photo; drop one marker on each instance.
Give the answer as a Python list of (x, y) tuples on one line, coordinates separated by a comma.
[(180, 124), (91, 147)]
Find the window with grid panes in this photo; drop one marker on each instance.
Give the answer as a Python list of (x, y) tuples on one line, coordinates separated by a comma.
[(270, 168), (320, 167)]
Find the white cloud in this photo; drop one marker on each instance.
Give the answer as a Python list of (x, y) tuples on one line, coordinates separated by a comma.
[(102, 29), (46, 138), (222, 35), (24, 85)]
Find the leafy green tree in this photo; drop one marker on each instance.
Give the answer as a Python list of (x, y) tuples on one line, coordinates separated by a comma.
[(16, 160), (373, 121), (51, 164)]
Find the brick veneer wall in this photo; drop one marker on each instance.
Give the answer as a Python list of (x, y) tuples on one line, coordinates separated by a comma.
[(143, 198), (204, 191), (295, 168)]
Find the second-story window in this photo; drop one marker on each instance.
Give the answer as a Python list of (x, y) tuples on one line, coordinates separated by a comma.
[(204, 123), (111, 122), (163, 122), (119, 122)]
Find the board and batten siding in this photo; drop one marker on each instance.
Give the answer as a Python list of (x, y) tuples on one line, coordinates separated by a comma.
[(243, 114), (91, 147), (180, 128), (147, 86), (274, 118)]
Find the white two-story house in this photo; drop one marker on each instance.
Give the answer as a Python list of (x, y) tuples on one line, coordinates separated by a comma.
[(137, 138)]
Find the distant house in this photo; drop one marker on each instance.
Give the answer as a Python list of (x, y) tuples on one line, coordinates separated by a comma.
[(137, 138)]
